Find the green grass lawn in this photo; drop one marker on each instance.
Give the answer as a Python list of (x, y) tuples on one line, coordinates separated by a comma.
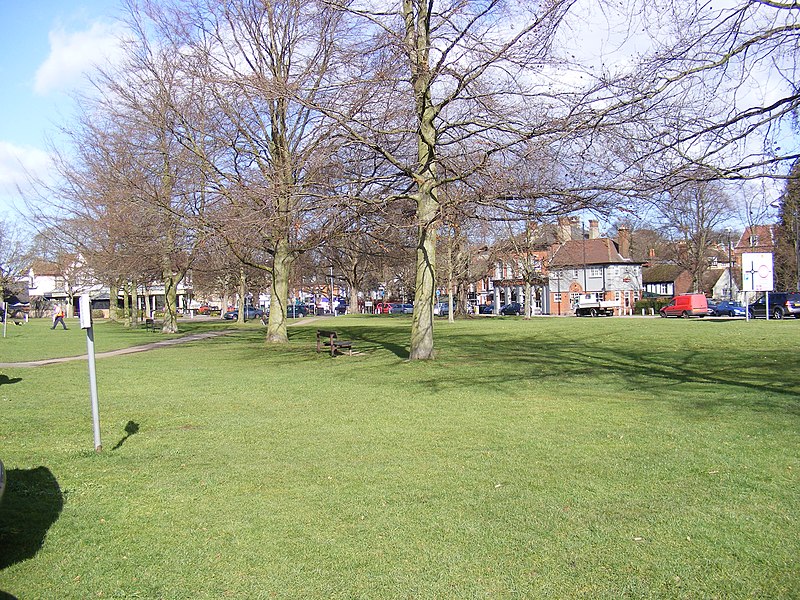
[(551, 458), (35, 340)]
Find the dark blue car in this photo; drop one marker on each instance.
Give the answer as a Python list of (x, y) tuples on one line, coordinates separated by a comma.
[(727, 308), (512, 308), (250, 312)]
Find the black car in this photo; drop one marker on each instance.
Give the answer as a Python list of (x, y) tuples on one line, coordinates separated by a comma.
[(512, 308), (486, 309), (781, 304)]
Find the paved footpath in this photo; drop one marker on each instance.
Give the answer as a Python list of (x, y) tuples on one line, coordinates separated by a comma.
[(134, 349), (121, 351)]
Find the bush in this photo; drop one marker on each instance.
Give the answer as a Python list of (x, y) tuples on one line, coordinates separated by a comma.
[(647, 303), (98, 313)]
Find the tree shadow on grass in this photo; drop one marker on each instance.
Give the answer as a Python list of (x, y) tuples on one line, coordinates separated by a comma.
[(5, 379), (649, 367), (32, 502)]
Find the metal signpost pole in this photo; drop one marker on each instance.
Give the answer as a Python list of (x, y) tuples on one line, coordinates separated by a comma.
[(86, 323)]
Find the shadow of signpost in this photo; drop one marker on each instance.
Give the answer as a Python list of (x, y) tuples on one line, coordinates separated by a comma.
[(131, 428), (31, 503)]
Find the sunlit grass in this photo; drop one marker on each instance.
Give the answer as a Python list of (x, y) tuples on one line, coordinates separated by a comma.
[(554, 458)]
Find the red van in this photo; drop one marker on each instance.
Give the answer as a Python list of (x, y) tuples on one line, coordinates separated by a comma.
[(686, 305)]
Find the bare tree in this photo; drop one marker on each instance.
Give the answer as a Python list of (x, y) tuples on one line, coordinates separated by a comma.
[(256, 69), (691, 214), (452, 80), (13, 254)]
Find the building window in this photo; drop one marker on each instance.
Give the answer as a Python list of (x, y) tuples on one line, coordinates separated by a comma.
[(557, 298), (753, 240), (595, 271), (575, 273), (574, 298)]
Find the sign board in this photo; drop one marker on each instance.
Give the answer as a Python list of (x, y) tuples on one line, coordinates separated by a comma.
[(757, 272), (86, 311)]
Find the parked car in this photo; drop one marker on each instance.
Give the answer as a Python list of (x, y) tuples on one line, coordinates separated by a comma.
[(341, 308), (512, 308), (686, 305), (250, 312), (486, 309), (206, 309), (294, 311), (781, 304), (727, 308), (399, 308), (441, 309), (383, 308)]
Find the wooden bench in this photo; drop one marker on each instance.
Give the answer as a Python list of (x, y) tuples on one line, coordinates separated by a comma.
[(150, 325), (331, 338)]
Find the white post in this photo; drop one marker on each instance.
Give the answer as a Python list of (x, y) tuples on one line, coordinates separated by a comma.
[(747, 306), (86, 323)]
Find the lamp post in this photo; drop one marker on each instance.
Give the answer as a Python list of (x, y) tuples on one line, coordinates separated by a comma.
[(730, 268)]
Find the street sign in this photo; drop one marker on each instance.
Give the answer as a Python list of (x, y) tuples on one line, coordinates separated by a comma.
[(757, 272), (86, 311)]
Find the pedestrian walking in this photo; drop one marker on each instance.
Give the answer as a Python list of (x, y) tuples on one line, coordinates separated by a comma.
[(58, 316)]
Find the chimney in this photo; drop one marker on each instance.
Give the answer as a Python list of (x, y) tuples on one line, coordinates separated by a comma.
[(564, 230), (594, 229), (624, 241)]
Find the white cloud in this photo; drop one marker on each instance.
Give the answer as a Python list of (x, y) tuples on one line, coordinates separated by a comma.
[(72, 54), (17, 166), (17, 162)]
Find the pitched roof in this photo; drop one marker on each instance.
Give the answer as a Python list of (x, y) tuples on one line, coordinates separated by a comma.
[(45, 267), (765, 234), (661, 273), (600, 251)]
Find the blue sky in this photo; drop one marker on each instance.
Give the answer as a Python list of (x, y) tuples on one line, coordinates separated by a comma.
[(46, 47)]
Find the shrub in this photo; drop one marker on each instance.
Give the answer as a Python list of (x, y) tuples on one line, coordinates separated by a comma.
[(647, 303)]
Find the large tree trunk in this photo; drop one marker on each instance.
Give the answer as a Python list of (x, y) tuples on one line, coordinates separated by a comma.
[(528, 300), (113, 308), (242, 291), (134, 304), (417, 38), (171, 281), (126, 305), (425, 285), (276, 326)]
